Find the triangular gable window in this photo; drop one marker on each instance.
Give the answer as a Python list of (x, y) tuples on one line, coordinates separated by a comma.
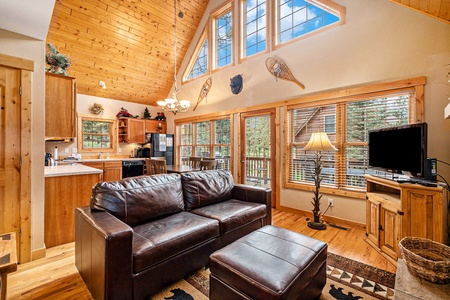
[(199, 67)]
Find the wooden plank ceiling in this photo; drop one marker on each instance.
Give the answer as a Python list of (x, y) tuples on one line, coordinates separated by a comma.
[(128, 44), (439, 9)]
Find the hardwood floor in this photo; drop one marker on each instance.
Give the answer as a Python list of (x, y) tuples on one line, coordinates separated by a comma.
[(56, 277)]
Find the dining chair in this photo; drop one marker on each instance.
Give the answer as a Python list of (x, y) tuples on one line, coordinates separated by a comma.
[(158, 157), (194, 162), (208, 165), (155, 166)]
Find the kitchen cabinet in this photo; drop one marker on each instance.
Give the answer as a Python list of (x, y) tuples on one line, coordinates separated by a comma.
[(60, 104), (153, 126), (63, 194), (112, 170), (395, 210), (131, 130)]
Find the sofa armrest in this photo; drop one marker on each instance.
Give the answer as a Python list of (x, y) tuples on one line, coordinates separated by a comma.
[(103, 253), (255, 194)]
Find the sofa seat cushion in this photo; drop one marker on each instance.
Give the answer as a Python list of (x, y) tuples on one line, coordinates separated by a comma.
[(232, 214), (164, 238)]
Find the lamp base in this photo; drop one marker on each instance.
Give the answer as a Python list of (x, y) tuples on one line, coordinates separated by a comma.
[(317, 225)]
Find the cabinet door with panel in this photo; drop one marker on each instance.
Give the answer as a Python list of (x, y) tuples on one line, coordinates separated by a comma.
[(131, 130), (390, 225), (112, 170), (424, 214), (373, 220), (155, 126), (60, 103)]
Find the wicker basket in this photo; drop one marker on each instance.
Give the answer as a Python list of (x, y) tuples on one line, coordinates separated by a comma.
[(426, 259)]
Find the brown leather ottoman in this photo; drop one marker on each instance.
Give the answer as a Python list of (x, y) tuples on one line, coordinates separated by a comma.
[(269, 263)]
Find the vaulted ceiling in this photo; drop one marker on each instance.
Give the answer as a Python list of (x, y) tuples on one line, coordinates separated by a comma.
[(439, 9), (127, 44)]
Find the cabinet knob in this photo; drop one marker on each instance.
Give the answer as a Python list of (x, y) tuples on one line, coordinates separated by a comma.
[(399, 212)]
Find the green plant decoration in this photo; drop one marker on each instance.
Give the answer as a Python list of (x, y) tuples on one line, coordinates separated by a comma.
[(58, 62), (147, 114)]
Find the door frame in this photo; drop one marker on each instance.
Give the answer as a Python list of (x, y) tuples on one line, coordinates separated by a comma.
[(23, 233), (274, 146)]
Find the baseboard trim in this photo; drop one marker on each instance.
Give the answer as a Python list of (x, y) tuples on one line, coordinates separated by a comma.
[(39, 253), (328, 219)]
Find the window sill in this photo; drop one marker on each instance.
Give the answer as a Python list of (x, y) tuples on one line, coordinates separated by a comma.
[(346, 192)]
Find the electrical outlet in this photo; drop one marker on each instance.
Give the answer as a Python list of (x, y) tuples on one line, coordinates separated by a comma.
[(66, 150), (120, 150), (74, 150), (330, 202)]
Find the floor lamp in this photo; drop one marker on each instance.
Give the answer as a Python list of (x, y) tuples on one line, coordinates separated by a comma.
[(319, 142)]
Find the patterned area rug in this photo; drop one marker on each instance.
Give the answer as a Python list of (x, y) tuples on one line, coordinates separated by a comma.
[(346, 280)]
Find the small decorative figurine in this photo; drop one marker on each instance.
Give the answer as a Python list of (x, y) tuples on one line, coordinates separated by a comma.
[(124, 113), (147, 114)]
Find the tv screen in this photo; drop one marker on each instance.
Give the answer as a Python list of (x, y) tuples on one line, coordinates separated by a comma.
[(401, 148)]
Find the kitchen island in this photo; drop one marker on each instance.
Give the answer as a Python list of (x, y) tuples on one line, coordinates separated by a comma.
[(66, 188)]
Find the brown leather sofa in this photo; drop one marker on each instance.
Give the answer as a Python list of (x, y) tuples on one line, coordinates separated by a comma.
[(140, 234)]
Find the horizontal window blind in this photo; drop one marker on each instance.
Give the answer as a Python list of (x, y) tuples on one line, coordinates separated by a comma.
[(349, 133)]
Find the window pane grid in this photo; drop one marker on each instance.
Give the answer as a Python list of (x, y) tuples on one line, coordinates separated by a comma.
[(201, 63), (223, 39), (255, 27), (206, 140), (96, 134), (346, 167), (298, 17)]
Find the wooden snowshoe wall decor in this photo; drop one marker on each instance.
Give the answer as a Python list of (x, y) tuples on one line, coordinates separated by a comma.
[(204, 91), (279, 69)]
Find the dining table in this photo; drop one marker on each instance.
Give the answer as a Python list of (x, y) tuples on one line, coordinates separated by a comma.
[(180, 169)]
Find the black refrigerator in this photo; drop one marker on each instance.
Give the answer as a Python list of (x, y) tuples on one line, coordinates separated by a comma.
[(161, 145)]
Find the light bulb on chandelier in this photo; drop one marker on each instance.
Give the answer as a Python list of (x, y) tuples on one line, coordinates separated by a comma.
[(173, 104)]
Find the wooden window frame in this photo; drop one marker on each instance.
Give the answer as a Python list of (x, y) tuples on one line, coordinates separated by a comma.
[(327, 5), (211, 144), (242, 36), (204, 36), (416, 115), (227, 7), (112, 134)]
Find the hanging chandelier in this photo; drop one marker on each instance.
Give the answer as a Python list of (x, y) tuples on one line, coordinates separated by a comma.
[(173, 104)]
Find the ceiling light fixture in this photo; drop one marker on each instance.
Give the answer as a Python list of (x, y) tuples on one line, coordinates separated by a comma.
[(173, 104)]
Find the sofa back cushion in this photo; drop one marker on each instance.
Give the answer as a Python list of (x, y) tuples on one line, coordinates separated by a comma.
[(206, 187), (137, 200)]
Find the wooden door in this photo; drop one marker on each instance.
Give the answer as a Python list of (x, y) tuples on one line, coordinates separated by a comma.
[(257, 150), (15, 178), (10, 150)]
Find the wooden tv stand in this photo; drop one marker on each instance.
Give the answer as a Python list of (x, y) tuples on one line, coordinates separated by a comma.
[(395, 210)]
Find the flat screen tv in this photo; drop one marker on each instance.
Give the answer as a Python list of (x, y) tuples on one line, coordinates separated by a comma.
[(400, 148)]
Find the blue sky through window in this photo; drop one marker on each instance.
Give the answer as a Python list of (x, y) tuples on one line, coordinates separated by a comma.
[(298, 17), (201, 63), (255, 26)]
